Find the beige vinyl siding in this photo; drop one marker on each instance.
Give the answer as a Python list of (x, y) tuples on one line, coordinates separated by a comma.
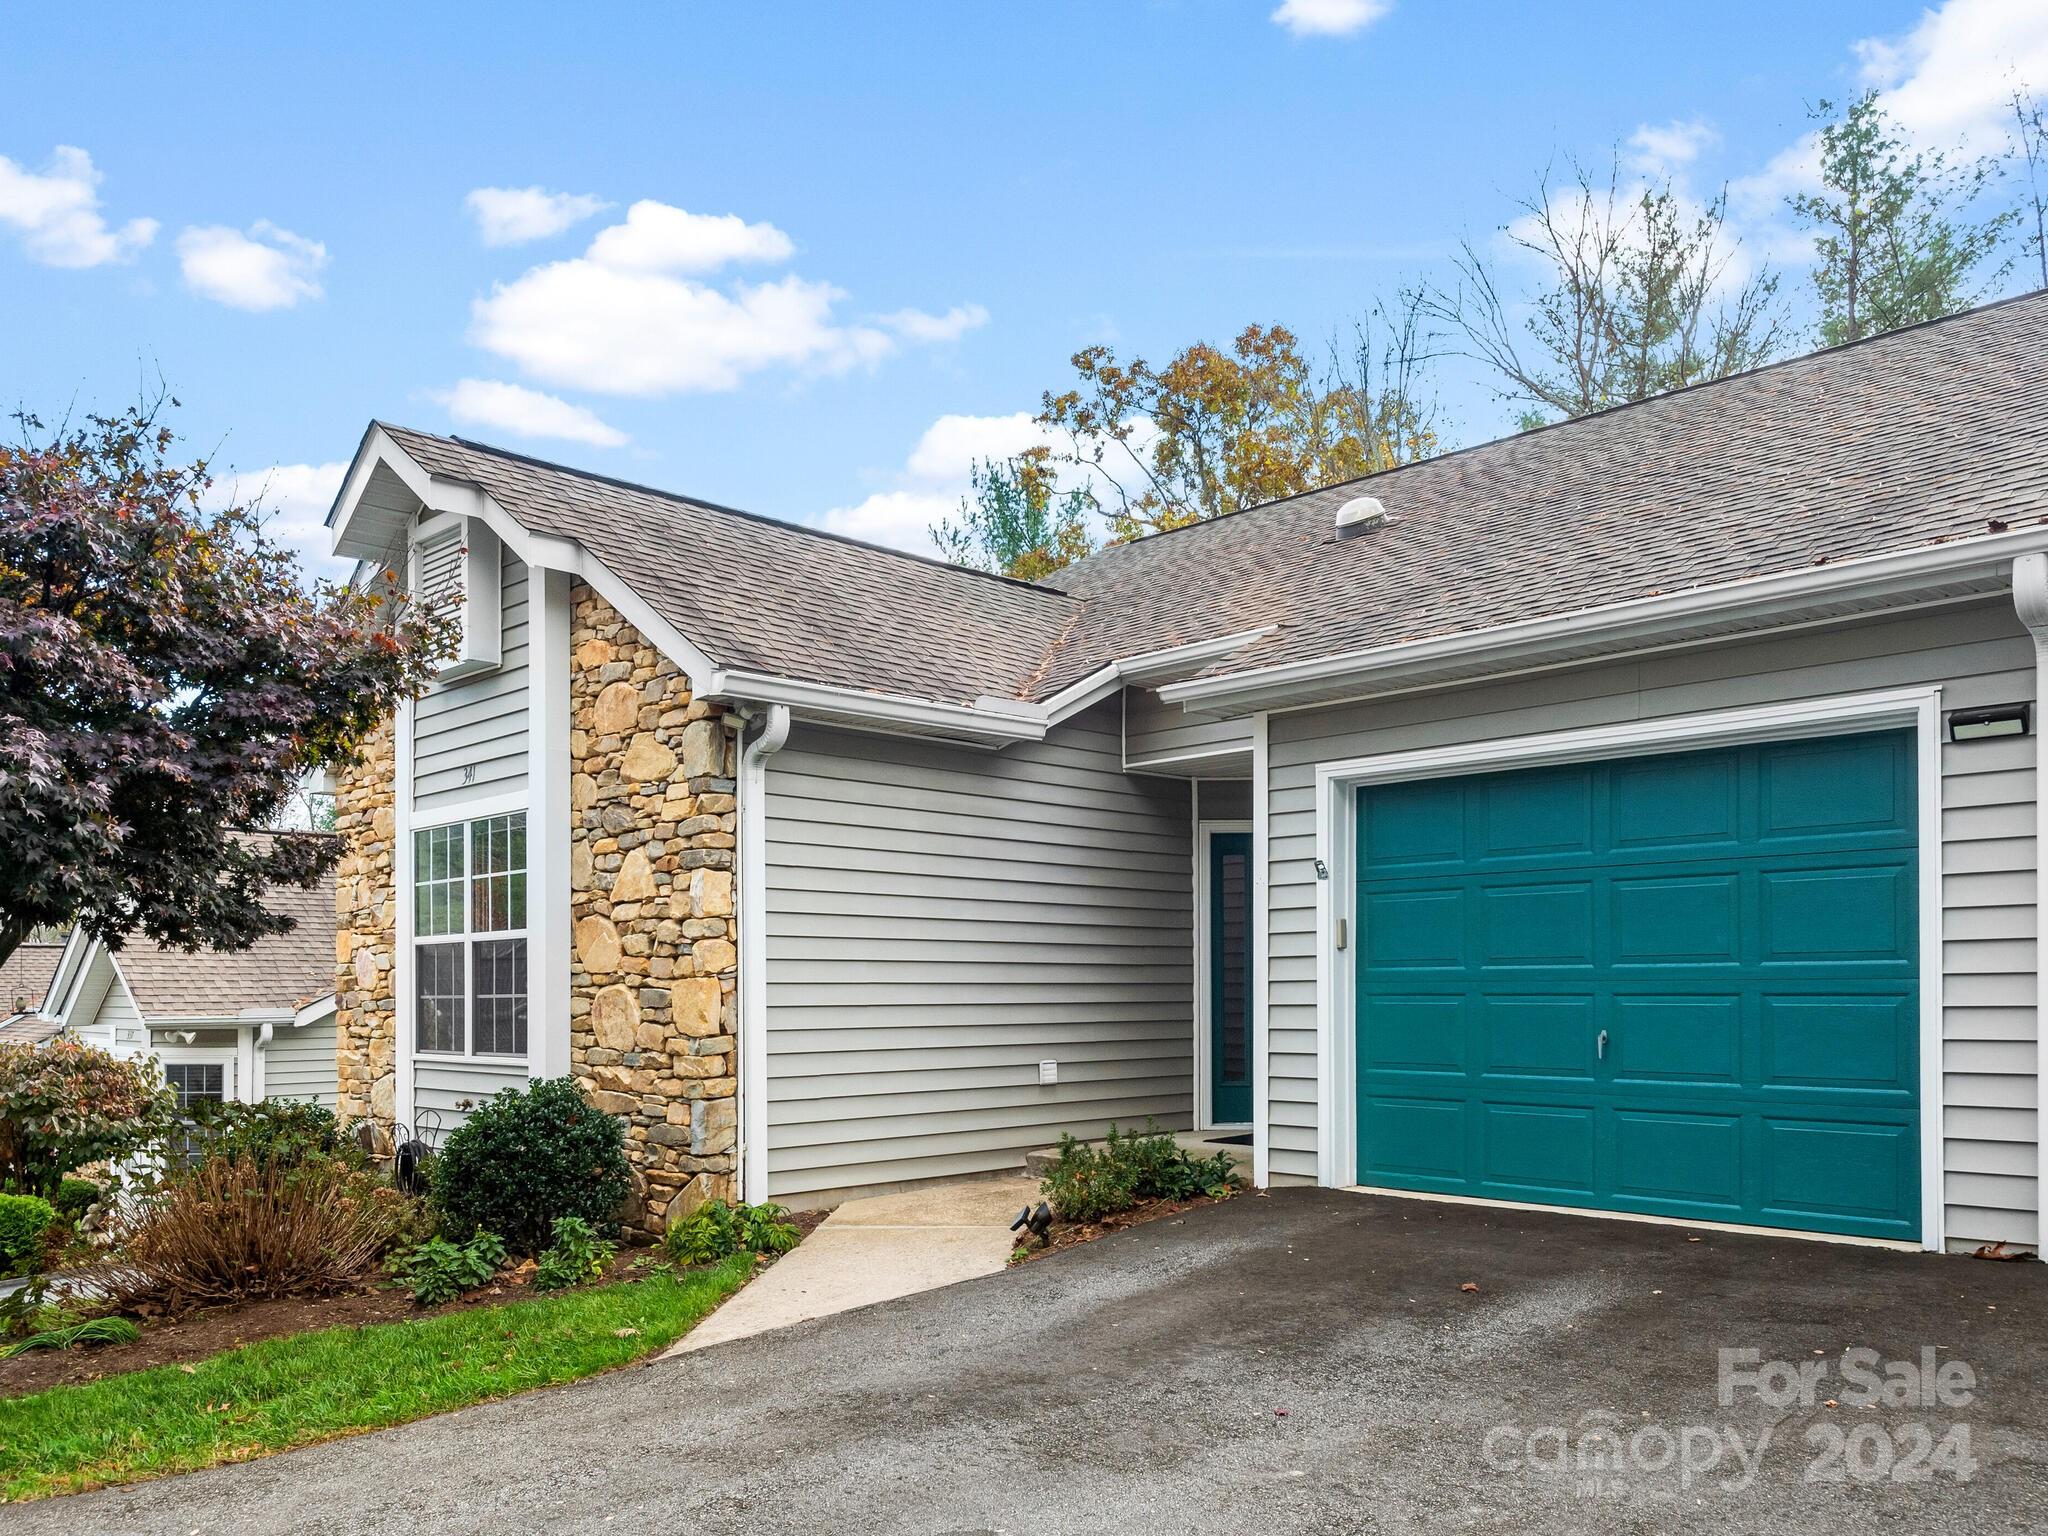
[(941, 920), (299, 1063), (450, 1089), (477, 721), (1979, 654), (1160, 734)]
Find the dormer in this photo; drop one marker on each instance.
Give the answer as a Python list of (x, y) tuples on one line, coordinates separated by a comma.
[(453, 567)]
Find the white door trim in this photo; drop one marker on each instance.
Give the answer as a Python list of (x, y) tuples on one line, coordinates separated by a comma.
[(1338, 782), (1205, 1083)]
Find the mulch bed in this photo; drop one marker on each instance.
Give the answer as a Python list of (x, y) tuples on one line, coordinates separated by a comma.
[(1072, 1234), (207, 1331)]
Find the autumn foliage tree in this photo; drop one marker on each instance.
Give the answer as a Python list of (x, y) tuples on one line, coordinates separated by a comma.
[(1018, 521), (166, 678)]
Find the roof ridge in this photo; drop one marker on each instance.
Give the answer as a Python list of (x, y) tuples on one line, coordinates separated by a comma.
[(700, 504), (1574, 421)]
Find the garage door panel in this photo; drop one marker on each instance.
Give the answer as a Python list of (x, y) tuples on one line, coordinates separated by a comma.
[(1681, 919), (1858, 1174), (1679, 1157), (1413, 1034), (1683, 984), (1528, 1150), (1686, 1041), (1419, 1141), (1833, 788), (1843, 914), (1541, 1036), (1551, 815), (1840, 1042), (1660, 805), (1409, 928), (1550, 924)]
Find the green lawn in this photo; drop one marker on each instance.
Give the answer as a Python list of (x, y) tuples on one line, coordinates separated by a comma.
[(315, 1386)]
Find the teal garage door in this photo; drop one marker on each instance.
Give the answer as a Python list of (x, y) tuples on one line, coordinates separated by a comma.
[(1681, 985)]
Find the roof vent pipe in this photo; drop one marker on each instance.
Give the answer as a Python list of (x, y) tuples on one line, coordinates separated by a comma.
[(1361, 514)]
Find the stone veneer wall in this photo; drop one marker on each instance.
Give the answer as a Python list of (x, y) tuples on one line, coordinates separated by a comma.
[(654, 976), (366, 917)]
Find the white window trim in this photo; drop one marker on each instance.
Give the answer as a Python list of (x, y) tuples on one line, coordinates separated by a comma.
[(466, 817), (1205, 1002), (1338, 782)]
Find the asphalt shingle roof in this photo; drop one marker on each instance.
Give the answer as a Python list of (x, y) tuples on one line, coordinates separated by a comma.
[(1919, 435), (286, 970), (761, 595), (1924, 434), (25, 977)]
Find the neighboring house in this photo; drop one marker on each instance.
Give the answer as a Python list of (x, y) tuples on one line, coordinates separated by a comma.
[(1632, 815), (244, 1025)]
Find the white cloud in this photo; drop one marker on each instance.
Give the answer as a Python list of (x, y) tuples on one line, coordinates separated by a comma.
[(953, 445), (295, 499), (1329, 18), (512, 215), (268, 268), (659, 238), (1667, 148), (527, 413), (57, 213), (900, 519), (916, 325), (1949, 81), (621, 319), (933, 479)]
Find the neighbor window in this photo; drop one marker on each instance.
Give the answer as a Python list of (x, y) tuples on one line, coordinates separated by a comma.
[(469, 937), (193, 1081)]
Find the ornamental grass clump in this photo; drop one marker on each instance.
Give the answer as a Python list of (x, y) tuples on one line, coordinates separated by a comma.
[(233, 1228)]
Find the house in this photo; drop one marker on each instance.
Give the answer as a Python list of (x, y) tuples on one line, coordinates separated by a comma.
[(243, 1025), (1634, 815)]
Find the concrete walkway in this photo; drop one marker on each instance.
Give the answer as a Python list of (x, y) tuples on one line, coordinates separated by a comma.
[(876, 1250)]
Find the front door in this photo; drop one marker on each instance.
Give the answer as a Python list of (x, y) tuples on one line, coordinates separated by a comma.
[(1230, 978)]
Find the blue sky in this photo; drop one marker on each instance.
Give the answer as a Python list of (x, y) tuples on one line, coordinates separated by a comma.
[(812, 259)]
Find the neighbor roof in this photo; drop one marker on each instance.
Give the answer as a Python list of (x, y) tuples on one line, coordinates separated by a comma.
[(1922, 435), (280, 973), (25, 977)]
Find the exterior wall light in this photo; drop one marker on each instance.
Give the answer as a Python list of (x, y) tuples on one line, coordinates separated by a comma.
[(1997, 720)]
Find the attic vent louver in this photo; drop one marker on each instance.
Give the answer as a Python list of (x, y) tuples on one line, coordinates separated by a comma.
[(1359, 515)]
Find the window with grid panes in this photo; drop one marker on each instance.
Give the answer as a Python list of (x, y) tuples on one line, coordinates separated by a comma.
[(469, 937)]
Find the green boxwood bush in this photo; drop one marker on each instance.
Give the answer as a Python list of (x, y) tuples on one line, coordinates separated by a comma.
[(75, 1197), (717, 1231), (1087, 1183), (24, 1219), (528, 1157)]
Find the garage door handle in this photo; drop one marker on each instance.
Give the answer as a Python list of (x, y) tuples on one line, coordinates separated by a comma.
[(1603, 1045)]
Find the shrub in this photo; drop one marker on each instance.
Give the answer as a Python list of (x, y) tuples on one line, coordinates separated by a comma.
[(230, 1228), (716, 1231), (274, 1130), (529, 1156), (74, 1197), (1087, 1183), (24, 1220), (63, 1105), (578, 1254), (438, 1270)]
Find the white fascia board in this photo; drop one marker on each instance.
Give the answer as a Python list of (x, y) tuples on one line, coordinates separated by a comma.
[(893, 710), (1898, 572), (1144, 667), (320, 1008), (71, 964)]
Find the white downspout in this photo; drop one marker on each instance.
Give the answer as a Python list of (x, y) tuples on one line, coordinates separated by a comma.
[(752, 906), (2030, 598)]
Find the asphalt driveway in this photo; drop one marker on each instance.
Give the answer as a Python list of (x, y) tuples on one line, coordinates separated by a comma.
[(1306, 1362)]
